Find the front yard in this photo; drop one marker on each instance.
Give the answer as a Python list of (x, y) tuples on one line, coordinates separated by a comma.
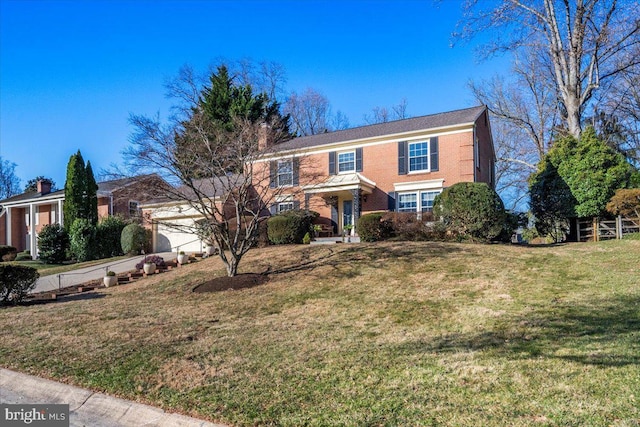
[(370, 334)]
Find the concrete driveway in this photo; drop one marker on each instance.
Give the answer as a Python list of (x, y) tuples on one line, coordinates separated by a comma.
[(83, 275)]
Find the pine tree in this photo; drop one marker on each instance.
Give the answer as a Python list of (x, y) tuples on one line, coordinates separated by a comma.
[(74, 190), (92, 195)]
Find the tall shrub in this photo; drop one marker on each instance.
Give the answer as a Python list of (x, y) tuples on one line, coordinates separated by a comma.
[(108, 234), (53, 242), (290, 226), (83, 240), (471, 209)]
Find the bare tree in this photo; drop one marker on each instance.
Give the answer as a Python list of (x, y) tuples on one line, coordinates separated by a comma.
[(310, 112), (384, 114), (9, 182), (233, 189), (585, 42)]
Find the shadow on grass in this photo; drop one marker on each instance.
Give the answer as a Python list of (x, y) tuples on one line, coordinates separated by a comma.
[(82, 296), (602, 333), (346, 261)]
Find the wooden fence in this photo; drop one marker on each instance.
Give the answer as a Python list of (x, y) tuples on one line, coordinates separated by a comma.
[(596, 229)]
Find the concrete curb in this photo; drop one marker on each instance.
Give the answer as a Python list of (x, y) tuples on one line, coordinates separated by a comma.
[(87, 408)]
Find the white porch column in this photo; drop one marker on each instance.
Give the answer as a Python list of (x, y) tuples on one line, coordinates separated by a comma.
[(60, 214), (8, 226), (32, 231)]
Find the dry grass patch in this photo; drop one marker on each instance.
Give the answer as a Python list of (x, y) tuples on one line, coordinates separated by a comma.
[(371, 334)]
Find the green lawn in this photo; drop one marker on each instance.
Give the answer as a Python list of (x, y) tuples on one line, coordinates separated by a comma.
[(392, 334)]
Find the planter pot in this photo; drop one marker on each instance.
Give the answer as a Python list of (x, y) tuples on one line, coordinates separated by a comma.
[(149, 268), (211, 250), (183, 259), (110, 281)]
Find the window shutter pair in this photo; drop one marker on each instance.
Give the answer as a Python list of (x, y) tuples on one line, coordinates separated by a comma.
[(403, 156), (333, 168)]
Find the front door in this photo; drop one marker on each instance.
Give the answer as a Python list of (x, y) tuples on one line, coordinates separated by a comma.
[(347, 213)]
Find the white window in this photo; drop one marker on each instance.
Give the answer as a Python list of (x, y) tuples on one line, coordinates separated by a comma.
[(418, 156), (419, 201), (133, 208), (347, 161), (284, 206), (284, 173), (426, 200), (407, 202)]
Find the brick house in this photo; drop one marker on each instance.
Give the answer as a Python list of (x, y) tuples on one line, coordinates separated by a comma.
[(42, 207), (395, 166)]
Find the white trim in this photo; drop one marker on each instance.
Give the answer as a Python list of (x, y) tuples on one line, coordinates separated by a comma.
[(432, 184), (368, 142)]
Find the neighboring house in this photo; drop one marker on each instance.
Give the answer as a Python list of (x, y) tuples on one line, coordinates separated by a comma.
[(395, 166), (22, 214)]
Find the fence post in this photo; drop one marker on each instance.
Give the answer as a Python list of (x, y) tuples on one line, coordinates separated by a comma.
[(596, 230), (619, 227), (578, 229)]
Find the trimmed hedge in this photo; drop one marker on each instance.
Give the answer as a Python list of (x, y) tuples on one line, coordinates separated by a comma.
[(16, 281), (8, 253), (373, 227), (83, 243), (53, 242), (290, 226)]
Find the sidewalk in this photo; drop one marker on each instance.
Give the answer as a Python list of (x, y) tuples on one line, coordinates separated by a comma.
[(83, 275), (87, 408)]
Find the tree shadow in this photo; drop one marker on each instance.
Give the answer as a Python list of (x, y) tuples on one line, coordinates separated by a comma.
[(80, 296), (555, 331)]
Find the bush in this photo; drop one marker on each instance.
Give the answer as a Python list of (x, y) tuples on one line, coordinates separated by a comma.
[(16, 281), (83, 245), (290, 226), (157, 260), (53, 242), (8, 253), (133, 239), (373, 228), (306, 239), (473, 210), (407, 225), (625, 202), (111, 273), (25, 256), (108, 234)]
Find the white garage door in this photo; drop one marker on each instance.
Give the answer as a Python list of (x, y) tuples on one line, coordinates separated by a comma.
[(169, 239)]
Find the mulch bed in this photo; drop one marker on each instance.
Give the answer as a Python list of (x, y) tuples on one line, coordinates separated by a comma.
[(240, 281)]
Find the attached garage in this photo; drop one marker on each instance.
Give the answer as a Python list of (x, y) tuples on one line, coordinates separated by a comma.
[(168, 238)]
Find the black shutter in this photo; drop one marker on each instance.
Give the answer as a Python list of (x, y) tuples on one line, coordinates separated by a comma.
[(296, 171), (402, 158), (391, 201), (433, 153), (296, 204), (332, 163), (359, 159), (273, 174)]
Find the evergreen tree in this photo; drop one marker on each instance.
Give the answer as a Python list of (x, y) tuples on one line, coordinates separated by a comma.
[(223, 107), (74, 190), (92, 195), (80, 192)]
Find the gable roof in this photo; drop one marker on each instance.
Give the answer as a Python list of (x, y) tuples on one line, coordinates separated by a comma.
[(103, 187), (432, 121)]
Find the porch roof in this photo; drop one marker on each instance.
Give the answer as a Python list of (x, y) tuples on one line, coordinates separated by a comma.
[(342, 182)]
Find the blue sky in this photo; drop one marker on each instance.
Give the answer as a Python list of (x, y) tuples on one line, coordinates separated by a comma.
[(71, 72)]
